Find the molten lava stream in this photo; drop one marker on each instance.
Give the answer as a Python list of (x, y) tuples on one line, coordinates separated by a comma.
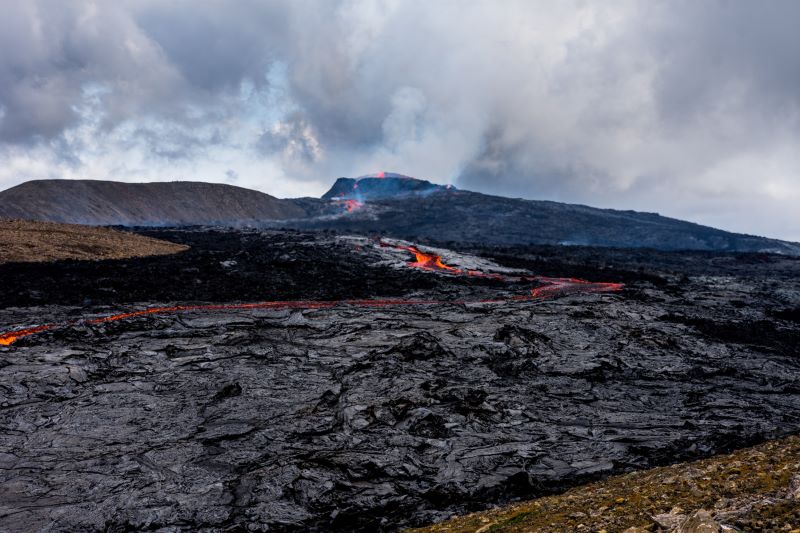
[(550, 288), (426, 261), (353, 205), (9, 338)]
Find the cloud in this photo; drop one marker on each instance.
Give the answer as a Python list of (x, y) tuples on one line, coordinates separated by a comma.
[(687, 108), (293, 140)]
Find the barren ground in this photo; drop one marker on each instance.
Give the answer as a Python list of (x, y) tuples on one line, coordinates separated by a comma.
[(374, 418), (755, 489), (32, 241)]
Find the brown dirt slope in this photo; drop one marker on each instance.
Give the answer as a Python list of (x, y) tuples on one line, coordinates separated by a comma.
[(26, 241), (108, 203), (755, 489)]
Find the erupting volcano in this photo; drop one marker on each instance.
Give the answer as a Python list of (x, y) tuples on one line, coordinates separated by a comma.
[(354, 193), (547, 288)]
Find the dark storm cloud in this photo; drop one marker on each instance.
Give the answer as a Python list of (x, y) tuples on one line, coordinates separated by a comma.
[(52, 54), (651, 105), (734, 53), (170, 62), (172, 143), (720, 78), (36, 80), (216, 44)]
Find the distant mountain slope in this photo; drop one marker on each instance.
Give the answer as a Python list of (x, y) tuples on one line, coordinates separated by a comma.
[(444, 214), (384, 203), (142, 204)]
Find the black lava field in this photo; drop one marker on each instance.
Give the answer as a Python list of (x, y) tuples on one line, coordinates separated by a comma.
[(384, 391)]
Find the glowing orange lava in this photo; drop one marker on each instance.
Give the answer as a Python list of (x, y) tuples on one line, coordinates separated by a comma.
[(8, 338), (549, 288), (353, 205), (425, 260)]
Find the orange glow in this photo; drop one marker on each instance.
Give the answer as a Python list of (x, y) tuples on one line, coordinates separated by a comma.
[(549, 288), (350, 205), (8, 338), (353, 205), (425, 260)]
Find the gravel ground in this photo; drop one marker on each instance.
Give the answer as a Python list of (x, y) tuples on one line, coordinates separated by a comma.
[(755, 489), (29, 241)]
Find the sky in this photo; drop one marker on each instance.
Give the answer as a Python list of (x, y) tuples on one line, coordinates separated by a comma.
[(686, 108)]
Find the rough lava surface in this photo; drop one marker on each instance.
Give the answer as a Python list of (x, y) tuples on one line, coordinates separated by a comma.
[(353, 418)]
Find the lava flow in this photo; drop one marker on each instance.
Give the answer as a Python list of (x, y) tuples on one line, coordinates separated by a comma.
[(425, 260), (353, 205), (548, 288)]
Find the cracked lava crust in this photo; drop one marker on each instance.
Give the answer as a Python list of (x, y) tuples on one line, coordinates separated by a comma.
[(364, 392)]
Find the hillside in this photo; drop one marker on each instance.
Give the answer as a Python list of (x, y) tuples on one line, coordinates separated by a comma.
[(385, 203), (386, 185), (141, 204), (755, 489), (26, 241), (449, 215)]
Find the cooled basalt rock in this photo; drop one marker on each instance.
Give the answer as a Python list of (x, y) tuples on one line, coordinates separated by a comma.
[(355, 418), (420, 345)]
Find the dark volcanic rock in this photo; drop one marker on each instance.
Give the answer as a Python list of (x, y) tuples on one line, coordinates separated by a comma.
[(393, 205), (372, 419), (473, 218), (220, 266), (421, 345), (390, 185)]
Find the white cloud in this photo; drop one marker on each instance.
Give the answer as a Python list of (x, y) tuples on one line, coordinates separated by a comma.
[(686, 108)]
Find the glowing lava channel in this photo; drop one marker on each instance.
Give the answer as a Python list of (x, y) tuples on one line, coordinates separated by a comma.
[(353, 205), (549, 288)]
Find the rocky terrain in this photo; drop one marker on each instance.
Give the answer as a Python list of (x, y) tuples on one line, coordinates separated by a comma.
[(26, 241), (755, 489), (387, 204), (417, 210), (382, 186), (459, 394)]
